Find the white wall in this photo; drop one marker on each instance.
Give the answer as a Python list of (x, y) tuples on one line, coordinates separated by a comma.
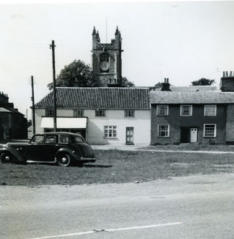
[(141, 124), (95, 128)]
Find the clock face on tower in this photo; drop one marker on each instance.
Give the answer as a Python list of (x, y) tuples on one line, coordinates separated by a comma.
[(104, 66), (104, 62)]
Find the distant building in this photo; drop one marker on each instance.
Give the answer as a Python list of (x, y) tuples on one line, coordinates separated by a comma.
[(187, 116), (103, 115), (107, 60), (13, 124)]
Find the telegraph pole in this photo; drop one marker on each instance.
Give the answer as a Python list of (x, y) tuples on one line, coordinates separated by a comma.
[(33, 106), (52, 46)]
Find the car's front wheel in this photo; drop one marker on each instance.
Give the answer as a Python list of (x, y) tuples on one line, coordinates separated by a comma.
[(64, 159), (6, 157)]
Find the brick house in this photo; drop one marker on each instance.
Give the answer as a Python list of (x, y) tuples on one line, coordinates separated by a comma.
[(188, 116), (13, 124), (103, 115)]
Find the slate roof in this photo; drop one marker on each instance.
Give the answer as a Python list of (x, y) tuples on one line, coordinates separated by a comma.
[(190, 88), (98, 98), (198, 97)]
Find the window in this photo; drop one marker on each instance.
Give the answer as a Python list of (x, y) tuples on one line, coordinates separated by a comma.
[(64, 139), (100, 113), (186, 110), (110, 131), (49, 112), (129, 113), (78, 113), (162, 110), (77, 139), (38, 139), (163, 130), (50, 139), (209, 130), (210, 110)]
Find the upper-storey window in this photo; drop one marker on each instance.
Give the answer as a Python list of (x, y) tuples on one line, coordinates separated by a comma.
[(186, 110), (100, 113), (49, 112), (129, 113), (162, 110), (78, 113), (210, 110)]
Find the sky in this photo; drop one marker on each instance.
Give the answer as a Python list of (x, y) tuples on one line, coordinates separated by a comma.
[(183, 41)]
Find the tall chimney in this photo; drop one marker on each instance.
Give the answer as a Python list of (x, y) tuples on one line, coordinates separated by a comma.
[(227, 81), (166, 85)]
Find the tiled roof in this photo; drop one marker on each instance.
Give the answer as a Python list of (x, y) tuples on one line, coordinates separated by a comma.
[(199, 97), (98, 98), (193, 88), (190, 88)]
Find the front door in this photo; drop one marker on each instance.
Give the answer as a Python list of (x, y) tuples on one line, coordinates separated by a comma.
[(193, 135), (129, 135), (184, 135)]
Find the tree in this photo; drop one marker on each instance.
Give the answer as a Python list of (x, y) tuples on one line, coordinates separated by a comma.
[(78, 74), (127, 83), (203, 81)]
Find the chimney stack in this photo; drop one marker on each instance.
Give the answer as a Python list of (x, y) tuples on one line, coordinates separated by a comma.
[(166, 85), (227, 81)]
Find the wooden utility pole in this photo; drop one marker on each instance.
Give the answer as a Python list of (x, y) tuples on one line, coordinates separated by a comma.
[(52, 46), (33, 107)]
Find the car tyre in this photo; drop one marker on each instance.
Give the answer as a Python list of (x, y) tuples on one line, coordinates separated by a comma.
[(64, 160), (6, 157)]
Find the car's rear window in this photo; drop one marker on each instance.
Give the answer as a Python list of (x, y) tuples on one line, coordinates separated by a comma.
[(77, 139)]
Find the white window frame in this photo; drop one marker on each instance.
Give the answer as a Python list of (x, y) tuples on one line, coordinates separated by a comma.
[(204, 131), (181, 110), (158, 110), (207, 113), (168, 131), (110, 131)]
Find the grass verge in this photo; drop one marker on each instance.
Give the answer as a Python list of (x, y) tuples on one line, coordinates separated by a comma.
[(118, 167)]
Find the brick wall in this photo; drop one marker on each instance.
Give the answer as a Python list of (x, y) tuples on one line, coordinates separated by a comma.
[(197, 120), (230, 124)]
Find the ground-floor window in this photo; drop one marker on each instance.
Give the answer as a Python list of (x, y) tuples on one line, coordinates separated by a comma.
[(163, 130), (110, 131), (209, 130)]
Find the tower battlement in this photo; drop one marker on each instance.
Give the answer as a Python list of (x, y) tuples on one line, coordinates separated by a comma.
[(106, 59)]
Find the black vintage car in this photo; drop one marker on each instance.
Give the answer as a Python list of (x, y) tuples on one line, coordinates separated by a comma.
[(61, 147)]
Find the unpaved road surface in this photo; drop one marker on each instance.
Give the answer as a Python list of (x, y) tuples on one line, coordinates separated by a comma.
[(192, 207)]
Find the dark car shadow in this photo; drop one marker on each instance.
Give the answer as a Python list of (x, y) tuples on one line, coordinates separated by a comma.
[(73, 165), (96, 166)]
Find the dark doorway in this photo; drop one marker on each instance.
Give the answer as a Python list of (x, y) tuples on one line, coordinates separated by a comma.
[(185, 135)]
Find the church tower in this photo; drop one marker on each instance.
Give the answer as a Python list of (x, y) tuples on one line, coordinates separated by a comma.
[(106, 60)]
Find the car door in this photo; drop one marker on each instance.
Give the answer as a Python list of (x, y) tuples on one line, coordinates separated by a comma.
[(49, 148), (42, 148), (33, 150)]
